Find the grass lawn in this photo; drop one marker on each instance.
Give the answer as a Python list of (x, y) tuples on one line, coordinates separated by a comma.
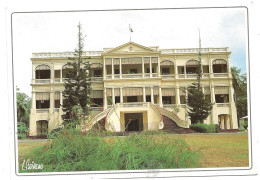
[(218, 150)]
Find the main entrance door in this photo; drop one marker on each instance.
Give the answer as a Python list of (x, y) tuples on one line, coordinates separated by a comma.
[(133, 121)]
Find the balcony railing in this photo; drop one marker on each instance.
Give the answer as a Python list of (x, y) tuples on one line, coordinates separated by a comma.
[(168, 76), (169, 105), (193, 50), (41, 81), (42, 110), (134, 104), (220, 74), (96, 79), (222, 104)]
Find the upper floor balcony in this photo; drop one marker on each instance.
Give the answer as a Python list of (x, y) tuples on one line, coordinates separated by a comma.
[(134, 69)]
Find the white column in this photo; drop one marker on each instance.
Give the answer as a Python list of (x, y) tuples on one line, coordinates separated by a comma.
[(178, 102), (176, 70), (143, 67), (152, 97), (121, 95), (51, 102), (61, 99), (104, 69), (113, 68), (105, 98), (120, 68), (61, 75), (231, 94), (144, 95), (185, 71), (203, 89), (160, 97), (113, 96), (212, 94), (33, 100), (150, 67), (159, 68)]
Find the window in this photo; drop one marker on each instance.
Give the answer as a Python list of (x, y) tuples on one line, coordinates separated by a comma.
[(116, 71), (97, 102), (97, 73), (148, 70), (42, 104), (117, 99), (133, 71), (167, 100), (148, 98), (222, 98), (57, 103), (165, 71)]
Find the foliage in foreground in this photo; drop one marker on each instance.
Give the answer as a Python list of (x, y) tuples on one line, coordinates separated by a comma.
[(205, 128), (71, 151)]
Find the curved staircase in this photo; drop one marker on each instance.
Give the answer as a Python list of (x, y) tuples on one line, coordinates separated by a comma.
[(171, 127)]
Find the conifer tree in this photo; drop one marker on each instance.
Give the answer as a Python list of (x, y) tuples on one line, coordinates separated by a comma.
[(77, 85), (199, 106)]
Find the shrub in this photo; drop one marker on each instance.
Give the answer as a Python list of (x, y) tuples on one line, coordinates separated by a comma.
[(71, 151), (205, 128), (245, 125), (22, 129)]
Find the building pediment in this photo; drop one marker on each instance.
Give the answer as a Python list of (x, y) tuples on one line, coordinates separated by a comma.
[(130, 47)]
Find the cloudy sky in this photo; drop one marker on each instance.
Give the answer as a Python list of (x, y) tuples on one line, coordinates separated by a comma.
[(171, 28)]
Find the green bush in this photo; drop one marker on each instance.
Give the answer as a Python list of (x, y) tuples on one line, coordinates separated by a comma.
[(22, 130), (72, 151), (245, 125), (205, 128)]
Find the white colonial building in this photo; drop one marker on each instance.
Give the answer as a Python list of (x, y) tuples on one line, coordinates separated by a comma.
[(135, 87)]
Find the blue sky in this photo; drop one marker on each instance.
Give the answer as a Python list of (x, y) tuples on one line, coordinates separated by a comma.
[(172, 28)]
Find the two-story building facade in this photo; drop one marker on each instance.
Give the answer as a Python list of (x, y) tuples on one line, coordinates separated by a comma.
[(134, 87)]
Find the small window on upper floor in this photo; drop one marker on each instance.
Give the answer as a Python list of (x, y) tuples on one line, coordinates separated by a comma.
[(97, 73)]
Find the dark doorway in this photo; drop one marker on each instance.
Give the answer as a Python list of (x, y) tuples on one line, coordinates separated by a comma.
[(133, 121)]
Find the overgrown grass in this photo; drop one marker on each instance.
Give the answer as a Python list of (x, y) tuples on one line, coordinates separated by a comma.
[(71, 151)]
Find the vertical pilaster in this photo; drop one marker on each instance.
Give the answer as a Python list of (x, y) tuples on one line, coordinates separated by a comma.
[(33, 100), (231, 94), (144, 95), (121, 95), (143, 67), (104, 70), (176, 70), (160, 97), (151, 67), (113, 96), (152, 97), (159, 68), (178, 101), (105, 98), (113, 71), (51, 102), (212, 94), (120, 68)]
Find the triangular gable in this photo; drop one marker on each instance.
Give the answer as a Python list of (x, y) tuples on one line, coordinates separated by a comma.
[(130, 47)]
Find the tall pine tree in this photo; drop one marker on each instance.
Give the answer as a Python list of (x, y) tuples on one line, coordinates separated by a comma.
[(199, 106), (77, 85)]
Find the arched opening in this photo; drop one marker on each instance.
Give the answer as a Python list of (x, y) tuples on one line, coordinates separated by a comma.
[(219, 66), (192, 66), (224, 121), (42, 72), (42, 127), (167, 67), (96, 71)]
